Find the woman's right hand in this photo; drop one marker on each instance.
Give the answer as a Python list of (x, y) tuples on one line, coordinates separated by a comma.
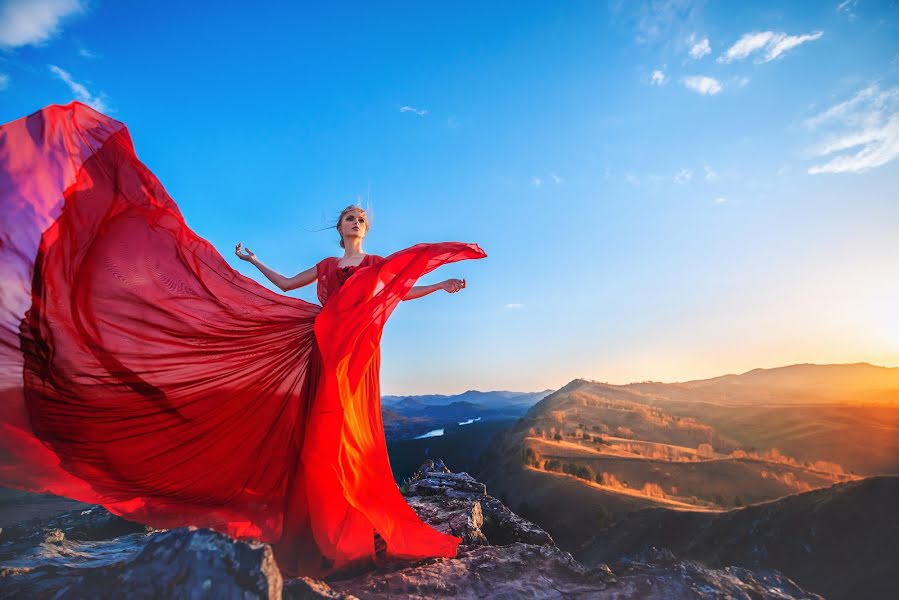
[(249, 256), (452, 285)]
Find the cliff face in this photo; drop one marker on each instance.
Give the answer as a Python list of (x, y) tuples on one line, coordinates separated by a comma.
[(94, 554)]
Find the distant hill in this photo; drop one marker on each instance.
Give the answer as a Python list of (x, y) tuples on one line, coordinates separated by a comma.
[(490, 400), (406, 417), (857, 383), (590, 453), (837, 541), (399, 427)]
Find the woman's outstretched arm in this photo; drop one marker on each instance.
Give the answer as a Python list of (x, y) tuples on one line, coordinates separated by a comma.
[(285, 284), (450, 285)]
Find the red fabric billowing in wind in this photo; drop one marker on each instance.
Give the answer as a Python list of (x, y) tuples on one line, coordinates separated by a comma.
[(138, 370)]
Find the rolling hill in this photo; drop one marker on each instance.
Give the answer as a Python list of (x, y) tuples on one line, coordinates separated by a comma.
[(591, 452)]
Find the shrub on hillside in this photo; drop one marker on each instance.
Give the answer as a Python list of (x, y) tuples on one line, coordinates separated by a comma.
[(705, 451), (625, 432), (552, 464)]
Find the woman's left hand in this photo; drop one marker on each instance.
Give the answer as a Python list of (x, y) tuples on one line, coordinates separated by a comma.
[(453, 285)]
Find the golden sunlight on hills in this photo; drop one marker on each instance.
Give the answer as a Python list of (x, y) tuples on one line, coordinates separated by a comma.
[(590, 453)]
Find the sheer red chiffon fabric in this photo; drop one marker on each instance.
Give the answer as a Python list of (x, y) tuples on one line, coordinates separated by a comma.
[(138, 370)]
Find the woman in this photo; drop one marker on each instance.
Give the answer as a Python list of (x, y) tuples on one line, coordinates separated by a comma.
[(139, 371), (298, 551)]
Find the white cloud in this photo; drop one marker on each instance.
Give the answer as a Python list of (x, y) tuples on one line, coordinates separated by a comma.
[(789, 42), (720, 200), (658, 78), (418, 111), (775, 45), (4, 81), (556, 178), (746, 45), (536, 181), (452, 121), (81, 93), (683, 176), (514, 305), (32, 22), (700, 48), (859, 134), (702, 84), (710, 174), (631, 179), (85, 53)]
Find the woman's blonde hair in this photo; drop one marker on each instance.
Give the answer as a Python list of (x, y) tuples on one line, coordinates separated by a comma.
[(345, 211)]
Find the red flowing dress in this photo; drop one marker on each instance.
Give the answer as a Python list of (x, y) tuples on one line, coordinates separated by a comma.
[(139, 371)]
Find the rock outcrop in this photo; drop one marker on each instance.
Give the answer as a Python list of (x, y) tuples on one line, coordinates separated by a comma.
[(92, 554)]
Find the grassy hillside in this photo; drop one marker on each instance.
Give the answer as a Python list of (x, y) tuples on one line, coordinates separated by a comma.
[(598, 449)]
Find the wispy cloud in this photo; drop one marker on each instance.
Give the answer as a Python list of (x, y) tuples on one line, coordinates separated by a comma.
[(783, 44), (631, 179), (746, 45), (859, 134), (33, 22), (80, 91), (699, 48), (683, 176), (774, 44), (847, 8), (452, 121), (858, 109), (702, 84), (4, 81), (514, 305), (85, 53), (537, 181), (418, 111), (710, 174), (658, 78), (657, 20), (720, 200)]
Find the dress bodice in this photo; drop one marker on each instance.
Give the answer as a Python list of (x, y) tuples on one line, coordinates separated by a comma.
[(331, 276)]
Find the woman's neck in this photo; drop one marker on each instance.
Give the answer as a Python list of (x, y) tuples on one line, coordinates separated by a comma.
[(353, 249)]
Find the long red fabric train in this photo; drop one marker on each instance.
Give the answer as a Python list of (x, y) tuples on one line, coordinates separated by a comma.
[(138, 370)]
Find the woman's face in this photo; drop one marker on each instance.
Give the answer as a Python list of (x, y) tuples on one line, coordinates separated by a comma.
[(354, 224)]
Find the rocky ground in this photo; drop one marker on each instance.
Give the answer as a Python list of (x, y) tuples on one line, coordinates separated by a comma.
[(93, 554)]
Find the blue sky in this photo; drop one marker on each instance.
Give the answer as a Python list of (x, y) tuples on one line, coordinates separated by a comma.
[(666, 190)]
